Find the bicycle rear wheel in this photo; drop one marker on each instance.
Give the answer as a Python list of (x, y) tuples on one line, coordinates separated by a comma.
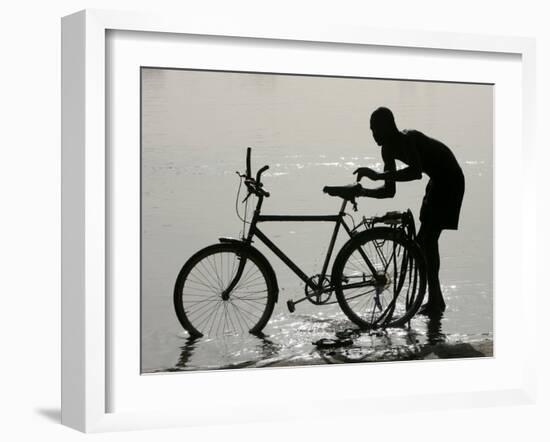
[(205, 309), (389, 291)]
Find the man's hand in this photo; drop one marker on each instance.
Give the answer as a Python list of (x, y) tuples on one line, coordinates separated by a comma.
[(366, 172)]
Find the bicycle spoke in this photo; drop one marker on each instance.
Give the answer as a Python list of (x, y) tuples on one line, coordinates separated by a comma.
[(380, 255), (392, 259), (213, 322), (198, 298), (360, 295), (205, 317), (250, 292), (257, 300), (197, 289), (251, 304), (212, 262), (216, 323), (229, 316), (245, 279), (212, 281), (245, 312), (220, 319), (239, 318), (191, 284), (222, 267), (204, 309), (372, 321), (234, 266), (205, 282), (243, 320)]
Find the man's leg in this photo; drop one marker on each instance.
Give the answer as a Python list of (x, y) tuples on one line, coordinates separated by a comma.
[(428, 238)]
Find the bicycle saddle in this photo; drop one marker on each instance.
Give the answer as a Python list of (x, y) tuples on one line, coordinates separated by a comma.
[(349, 192), (346, 192)]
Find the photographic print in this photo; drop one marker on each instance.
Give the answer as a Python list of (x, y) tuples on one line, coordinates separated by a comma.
[(297, 220)]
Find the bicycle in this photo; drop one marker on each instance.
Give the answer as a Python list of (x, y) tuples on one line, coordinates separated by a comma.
[(378, 275)]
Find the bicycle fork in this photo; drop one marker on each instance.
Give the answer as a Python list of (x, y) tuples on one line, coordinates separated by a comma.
[(236, 278)]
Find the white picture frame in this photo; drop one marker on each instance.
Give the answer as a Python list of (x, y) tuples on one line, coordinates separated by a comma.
[(86, 315)]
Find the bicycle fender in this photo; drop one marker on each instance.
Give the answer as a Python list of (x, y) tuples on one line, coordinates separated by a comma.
[(254, 251)]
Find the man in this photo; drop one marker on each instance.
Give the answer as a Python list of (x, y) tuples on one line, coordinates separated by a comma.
[(444, 192)]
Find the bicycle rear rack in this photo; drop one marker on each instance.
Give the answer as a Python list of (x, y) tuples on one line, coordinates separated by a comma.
[(399, 220)]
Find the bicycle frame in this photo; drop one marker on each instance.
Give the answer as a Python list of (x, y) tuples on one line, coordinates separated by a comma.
[(338, 219)]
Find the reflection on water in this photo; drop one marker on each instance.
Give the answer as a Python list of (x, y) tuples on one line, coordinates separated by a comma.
[(233, 352), (434, 334), (292, 343)]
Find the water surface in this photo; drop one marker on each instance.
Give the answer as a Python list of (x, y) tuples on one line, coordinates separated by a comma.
[(312, 132)]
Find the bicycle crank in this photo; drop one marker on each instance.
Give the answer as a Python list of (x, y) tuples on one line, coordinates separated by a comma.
[(318, 291)]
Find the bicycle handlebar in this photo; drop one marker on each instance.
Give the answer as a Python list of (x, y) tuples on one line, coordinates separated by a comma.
[(254, 186), (259, 174), (248, 172)]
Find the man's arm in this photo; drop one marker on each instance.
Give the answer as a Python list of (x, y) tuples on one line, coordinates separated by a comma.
[(388, 189), (408, 173), (412, 172)]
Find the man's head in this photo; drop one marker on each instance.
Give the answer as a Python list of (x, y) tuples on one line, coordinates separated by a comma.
[(383, 125)]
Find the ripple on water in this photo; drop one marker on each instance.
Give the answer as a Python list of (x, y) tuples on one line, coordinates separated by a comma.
[(288, 341)]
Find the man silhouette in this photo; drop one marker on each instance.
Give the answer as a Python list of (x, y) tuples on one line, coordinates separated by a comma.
[(441, 204)]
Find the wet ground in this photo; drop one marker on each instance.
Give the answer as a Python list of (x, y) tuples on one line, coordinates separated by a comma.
[(311, 340)]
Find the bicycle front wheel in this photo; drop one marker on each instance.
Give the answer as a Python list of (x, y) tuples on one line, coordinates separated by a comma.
[(224, 289), (379, 278)]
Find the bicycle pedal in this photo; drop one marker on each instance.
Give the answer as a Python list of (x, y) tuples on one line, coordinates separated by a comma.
[(291, 306)]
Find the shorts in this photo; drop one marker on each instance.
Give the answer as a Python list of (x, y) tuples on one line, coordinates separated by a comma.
[(442, 202)]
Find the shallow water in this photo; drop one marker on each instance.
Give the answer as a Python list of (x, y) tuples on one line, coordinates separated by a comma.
[(195, 130)]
